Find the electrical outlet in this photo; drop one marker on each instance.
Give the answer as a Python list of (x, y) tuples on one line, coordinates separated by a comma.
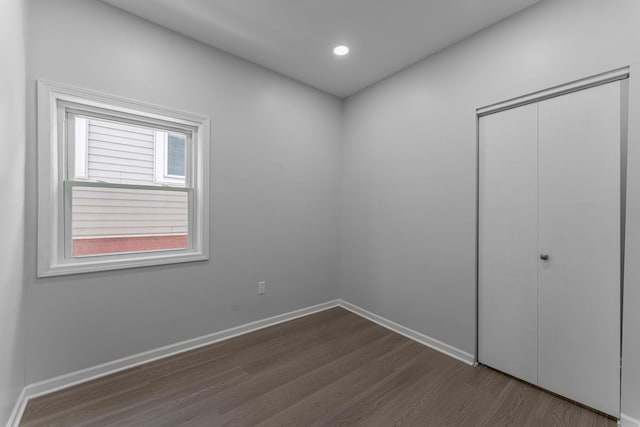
[(262, 288)]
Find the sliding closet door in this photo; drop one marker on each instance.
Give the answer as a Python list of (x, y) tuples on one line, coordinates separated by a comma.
[(579, 220), (508, 235)]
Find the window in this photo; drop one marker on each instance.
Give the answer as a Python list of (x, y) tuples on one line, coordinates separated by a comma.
[(170, 152), (121, 184)]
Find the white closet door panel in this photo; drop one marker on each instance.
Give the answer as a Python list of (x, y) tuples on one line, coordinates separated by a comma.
[(507, 276), (579, 220)]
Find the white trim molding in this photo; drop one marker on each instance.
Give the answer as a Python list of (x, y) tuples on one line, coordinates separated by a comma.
[(18, 409), (84, 375), (610, 76), (51, 385), (627, 421), (421, 338)]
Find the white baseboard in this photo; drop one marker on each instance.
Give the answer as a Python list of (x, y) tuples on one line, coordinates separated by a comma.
[(68, 380), (18, 409), (627, 421), (58, 383), (54, 384), (435, 344)]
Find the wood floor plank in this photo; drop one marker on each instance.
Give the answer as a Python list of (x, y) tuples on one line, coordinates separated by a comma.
[(359, 412), (280, 398), (347, 371), (266, 381), (517, 403), (328, 369)]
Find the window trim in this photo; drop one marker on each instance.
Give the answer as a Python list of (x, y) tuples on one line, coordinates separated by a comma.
[(54, 101)]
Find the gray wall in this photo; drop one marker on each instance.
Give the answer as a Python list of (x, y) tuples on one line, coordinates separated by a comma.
[(12, 164), (407, 194), (275, 147), (408, 191)]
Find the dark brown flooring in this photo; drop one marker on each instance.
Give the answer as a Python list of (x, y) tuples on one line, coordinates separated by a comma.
[(332, 368)]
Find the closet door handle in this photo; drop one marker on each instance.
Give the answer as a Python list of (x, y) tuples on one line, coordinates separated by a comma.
[(544, 257)]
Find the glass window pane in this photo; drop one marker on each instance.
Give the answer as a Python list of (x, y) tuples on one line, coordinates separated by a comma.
[(176, 155), (80, 146), (119, 220), (120, 153), (123, 153)]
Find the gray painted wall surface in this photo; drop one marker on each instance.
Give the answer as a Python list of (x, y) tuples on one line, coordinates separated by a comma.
[(12, 164), (275, 147), (409, 165), (408, 180)]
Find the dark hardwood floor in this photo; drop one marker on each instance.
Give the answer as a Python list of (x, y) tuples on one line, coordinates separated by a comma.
[(332, 368)]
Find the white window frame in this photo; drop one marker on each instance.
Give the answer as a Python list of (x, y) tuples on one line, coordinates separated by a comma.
[(55, 103)]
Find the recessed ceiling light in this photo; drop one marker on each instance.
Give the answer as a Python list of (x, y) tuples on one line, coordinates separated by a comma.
[(341, 50)]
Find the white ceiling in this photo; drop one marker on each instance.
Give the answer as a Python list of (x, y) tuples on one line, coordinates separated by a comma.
[(296, 37)]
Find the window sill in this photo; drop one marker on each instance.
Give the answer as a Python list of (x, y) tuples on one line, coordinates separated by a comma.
[(79, 266)]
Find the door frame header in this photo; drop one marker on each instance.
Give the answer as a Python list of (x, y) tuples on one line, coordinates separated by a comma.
[(599, 79)]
